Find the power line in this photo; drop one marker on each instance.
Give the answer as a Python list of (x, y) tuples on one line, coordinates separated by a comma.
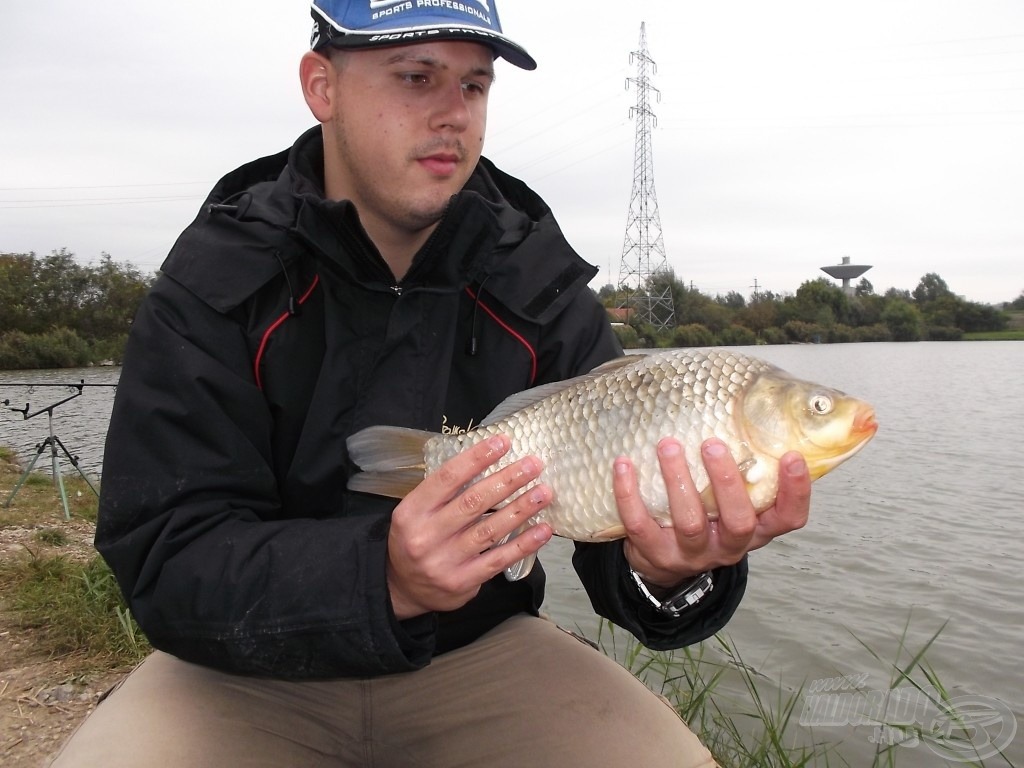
[(108, 186), (20, 205)]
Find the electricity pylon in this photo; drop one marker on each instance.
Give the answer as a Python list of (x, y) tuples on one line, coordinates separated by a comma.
[(646, 298)]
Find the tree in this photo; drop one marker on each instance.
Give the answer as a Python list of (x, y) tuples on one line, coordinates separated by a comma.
[(818, 301), (931, 288), (898, 293), (973, 317), (16, 278), (59, 284), (864, 288), (114, 294), (732, 300), (903, 320), (53, 310), (759, 316)]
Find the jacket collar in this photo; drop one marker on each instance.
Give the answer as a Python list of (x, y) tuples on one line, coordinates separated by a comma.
[(496, 229)]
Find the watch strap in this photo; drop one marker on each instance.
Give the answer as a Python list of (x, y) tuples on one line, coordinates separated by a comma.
[(685, 596)]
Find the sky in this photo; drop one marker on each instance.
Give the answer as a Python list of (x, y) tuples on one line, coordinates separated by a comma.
[(789, 134)]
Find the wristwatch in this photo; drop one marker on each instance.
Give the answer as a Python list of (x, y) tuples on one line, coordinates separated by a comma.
[(686, 596)]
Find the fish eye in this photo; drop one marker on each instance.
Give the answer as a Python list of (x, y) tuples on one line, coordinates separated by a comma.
[(821, 404)]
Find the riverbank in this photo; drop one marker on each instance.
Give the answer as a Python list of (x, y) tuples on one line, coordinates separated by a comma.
[(46, 687)]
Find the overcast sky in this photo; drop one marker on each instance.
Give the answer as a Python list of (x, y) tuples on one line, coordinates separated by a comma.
[(790, 133)]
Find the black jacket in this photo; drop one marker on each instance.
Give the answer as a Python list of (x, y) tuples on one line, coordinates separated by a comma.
[(275, 331)]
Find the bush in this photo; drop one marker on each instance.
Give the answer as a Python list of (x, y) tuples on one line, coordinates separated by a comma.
[(692, 335), (807, 333), (773, 335), (738, 336), (876, 332), (109, 349), (57, 348), (944, 333), (627, 335)]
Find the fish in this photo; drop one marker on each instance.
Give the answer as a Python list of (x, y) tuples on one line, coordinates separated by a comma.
[(579, 426)]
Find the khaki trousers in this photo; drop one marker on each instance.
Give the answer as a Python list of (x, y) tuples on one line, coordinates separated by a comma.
[(525, 694)]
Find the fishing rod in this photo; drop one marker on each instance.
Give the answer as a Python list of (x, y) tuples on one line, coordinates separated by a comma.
[(79, 385), (54, 443)]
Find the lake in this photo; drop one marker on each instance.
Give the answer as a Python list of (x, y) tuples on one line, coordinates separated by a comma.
[(921, 529)]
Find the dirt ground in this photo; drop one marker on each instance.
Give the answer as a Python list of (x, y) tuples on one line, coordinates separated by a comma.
[(42, 699)]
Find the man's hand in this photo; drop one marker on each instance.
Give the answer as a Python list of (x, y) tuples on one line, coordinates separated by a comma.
[(439, 546), (665, 557)]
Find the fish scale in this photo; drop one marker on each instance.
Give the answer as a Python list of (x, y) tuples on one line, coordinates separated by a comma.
[(579, 432)]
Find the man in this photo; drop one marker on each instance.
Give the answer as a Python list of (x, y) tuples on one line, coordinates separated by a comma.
[(382, 271)]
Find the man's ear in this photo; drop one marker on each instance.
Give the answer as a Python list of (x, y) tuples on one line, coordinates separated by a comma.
[(316, 73)]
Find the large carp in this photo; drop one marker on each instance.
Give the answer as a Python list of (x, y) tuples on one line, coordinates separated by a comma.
[(579, 426)]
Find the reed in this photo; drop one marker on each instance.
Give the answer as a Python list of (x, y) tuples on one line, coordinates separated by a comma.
[(750, 721)]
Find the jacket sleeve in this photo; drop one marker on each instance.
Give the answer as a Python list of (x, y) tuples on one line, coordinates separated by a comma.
[(615, 597), (602, 568), (190, 519)]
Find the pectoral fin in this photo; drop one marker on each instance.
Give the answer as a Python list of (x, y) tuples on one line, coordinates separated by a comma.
[(707, 497), (521, 569)]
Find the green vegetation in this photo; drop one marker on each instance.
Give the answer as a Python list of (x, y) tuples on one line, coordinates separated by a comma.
[(56, 313), (73, 608), (747, 721), (819, 312), (57, 588), (1014, 330)]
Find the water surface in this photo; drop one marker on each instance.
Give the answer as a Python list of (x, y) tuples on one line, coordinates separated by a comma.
[(923, 526)]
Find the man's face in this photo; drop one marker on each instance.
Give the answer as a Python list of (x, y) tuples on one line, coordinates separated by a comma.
[(409, 128)]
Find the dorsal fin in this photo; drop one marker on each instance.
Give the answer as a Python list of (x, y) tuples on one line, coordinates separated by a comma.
[(528, 397)]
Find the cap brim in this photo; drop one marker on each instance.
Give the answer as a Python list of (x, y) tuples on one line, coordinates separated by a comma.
[(502, 46)]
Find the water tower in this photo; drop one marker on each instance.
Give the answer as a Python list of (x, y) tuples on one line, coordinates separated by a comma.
[(846, 272)]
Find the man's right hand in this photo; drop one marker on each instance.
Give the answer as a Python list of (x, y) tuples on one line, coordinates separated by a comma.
[(440, 544)]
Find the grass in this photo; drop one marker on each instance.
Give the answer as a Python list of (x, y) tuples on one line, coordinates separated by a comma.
[(1008, 335), (54, 587), (73, 609), (749, 721)]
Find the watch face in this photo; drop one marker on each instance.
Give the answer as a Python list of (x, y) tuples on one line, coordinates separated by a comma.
[(689, 595)]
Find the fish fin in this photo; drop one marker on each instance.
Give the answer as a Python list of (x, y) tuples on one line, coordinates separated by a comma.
[(391, 459), (396, 483), (383, 448), (521, 569), (609, 534), (524, 399), (616, 363), (707, 497), (528, 397)]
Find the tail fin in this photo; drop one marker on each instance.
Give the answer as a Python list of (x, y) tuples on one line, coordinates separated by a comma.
[(391, 459)]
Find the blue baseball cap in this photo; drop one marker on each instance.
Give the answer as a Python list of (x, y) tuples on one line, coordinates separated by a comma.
[(380, 23)]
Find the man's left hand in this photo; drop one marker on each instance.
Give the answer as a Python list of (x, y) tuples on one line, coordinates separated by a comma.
[(665, 557)]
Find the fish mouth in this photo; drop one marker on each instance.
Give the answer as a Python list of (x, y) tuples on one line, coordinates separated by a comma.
[(864, 422), (862, 429)]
